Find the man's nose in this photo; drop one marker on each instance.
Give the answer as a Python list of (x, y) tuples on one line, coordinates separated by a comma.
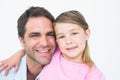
[(43, 41)]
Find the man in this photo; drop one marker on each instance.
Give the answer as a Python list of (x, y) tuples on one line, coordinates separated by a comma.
[(35, 32)]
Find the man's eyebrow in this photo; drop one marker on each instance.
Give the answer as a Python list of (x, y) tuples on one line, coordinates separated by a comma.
[(34, 33), (51, 32)]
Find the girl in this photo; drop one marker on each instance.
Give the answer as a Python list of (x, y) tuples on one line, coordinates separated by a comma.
[(73, 62)]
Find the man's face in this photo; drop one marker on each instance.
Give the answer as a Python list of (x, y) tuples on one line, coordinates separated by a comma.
[(39, 40)]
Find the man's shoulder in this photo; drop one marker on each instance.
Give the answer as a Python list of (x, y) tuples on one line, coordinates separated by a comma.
[(19, 75)]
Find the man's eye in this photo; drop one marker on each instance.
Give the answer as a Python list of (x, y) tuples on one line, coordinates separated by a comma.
[(51, 34), (34, 35)]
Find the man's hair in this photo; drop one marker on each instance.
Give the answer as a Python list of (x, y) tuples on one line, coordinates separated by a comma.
[(32, 12)]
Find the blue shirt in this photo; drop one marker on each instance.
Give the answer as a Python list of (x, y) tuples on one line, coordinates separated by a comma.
[(19, 75)]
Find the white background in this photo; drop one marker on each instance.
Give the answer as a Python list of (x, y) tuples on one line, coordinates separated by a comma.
[(103, 17)]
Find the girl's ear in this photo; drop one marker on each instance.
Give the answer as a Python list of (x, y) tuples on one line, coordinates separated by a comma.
[(21, 41), (87, 33)]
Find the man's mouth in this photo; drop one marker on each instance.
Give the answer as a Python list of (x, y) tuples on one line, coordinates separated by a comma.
[(43, 51)]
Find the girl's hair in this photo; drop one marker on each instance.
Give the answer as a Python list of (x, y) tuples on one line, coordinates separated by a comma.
[(76, 17)]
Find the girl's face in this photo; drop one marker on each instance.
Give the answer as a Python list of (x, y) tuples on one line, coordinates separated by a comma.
[(71, 39)]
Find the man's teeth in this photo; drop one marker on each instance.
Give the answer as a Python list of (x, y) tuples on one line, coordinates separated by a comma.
[(43, 51)]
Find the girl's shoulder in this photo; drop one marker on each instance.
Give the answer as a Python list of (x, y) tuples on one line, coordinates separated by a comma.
[(95, 73)]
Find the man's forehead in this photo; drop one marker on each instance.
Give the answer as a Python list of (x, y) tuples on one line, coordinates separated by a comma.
[(38, 29), (39, 32)]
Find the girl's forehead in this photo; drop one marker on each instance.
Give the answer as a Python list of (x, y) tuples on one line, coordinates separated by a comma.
[(67, 27)]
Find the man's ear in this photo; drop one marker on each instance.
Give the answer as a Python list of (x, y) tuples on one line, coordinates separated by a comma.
[(21, 41)]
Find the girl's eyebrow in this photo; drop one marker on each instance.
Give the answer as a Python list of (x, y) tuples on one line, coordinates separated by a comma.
[(70, 31), (58, 34), (74, 30)]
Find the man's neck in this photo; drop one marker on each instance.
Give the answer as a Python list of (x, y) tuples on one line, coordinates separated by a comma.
[(33, 69)]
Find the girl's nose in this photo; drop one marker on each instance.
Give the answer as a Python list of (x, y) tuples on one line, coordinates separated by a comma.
[(68, 40)]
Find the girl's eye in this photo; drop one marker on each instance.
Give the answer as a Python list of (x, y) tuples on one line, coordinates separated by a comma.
[(60, 37), (74, 33)]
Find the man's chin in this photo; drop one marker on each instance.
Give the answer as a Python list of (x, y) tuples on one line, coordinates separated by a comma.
[(44, 62)]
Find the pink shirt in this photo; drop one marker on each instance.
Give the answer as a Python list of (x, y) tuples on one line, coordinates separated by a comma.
[(61, 69)]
